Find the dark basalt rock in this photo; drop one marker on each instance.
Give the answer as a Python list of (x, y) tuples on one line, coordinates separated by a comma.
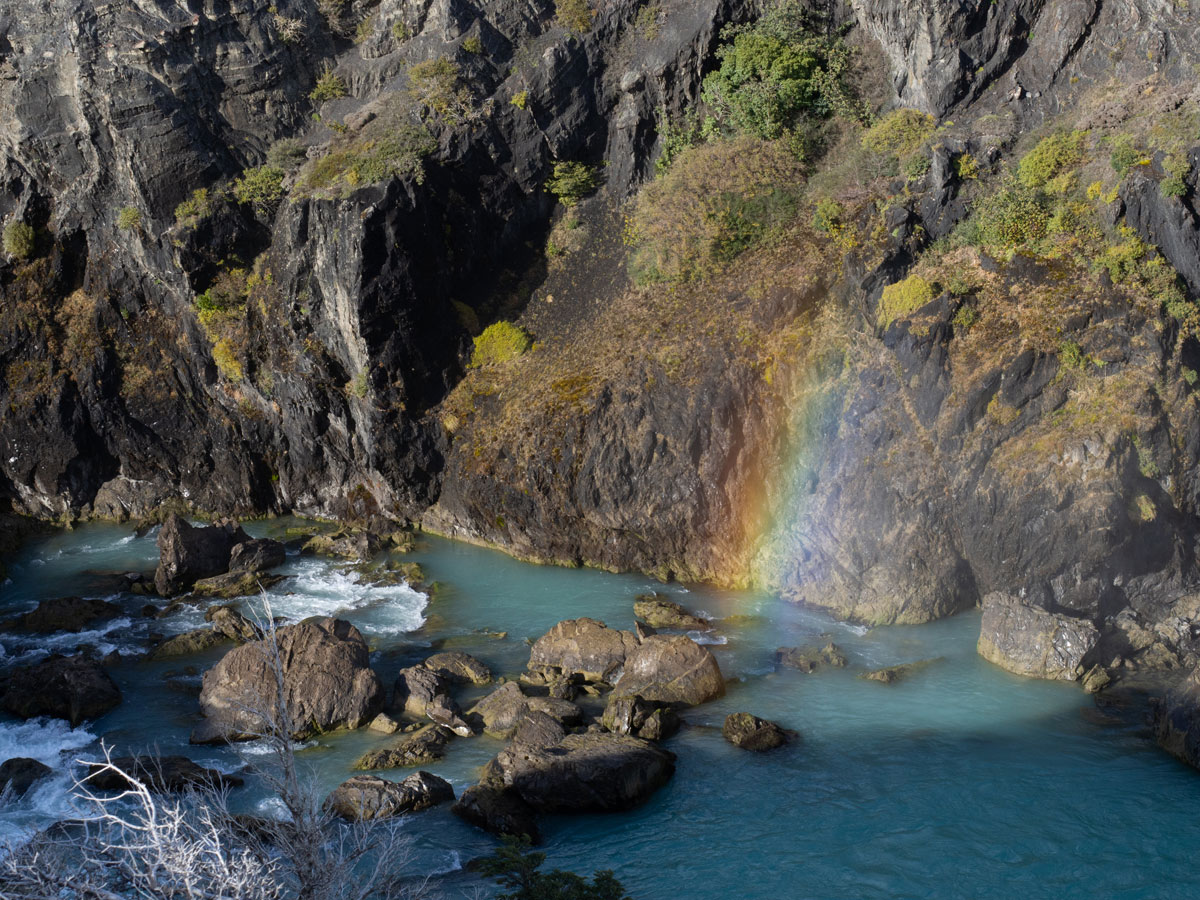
[(368, 797), (188, 554), (327, 681), (1177, 720), (75, 688), (68, 614), (502, 711), (752, 733), (160, 774), (417, 688), (19, 774), (226, 620)]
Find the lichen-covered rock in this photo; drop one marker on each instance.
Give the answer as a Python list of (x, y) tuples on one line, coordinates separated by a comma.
[(75, 688), (752, 733), (458, 667), (327, 683), (187, 554), (659, 611), (1028, 640), (585, 647), (671, 669), (364, 798), (241, 583)]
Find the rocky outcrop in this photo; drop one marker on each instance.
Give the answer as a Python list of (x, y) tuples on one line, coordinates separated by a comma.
[(227, 621), (752, 733), (660, 612), (671, 669), (187, 553), (1177, 720), (68, 614), (75, 688), (364, 798), (417, 688), (1027, 640), (158, 773), (585, 647), (19, 774), (326, 679)]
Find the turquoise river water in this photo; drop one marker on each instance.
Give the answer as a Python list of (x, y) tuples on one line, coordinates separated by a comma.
[(961, 782)]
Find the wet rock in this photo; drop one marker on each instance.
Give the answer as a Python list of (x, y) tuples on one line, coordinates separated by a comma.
[(68, 614), (497, 810), (586, 647), (671, 669), (639, 717), (1095, 680), (459, 668), (661, 612), (502, 710), (416, 688), (227, 621), (424, 746), (1028, 640), (257, 555), (366, 797), (892, 674), (20, 774), (235, 584), (196, 641), (75, 688), (186, 553), (160, 774), (752, 733), (327, 681), (384, 724), (595, 772), (809, 659)]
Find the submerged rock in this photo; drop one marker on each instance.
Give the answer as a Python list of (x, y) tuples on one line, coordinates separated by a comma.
[(366, 797), (196, 641), (161, 774), (752, 733), (659, 611), (892, 674), (235, 584), (187, 554), (68, 614), (671, 669), (809, 659), (327, 681), (19, 774), (74, 688), (1028, 640), (497, 810), (424, 746), (586, 647)]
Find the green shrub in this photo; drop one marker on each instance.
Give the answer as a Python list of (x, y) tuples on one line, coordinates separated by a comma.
[(1071, 356), (434, 87), (224, 354), (965, 318), (903, 298), (646, 23), (1177, 168), (676, 137), (717, 199), (901, 132), (19, 240), (195, 209), (1125, 154), (129, 218), (916, 166), (329, 86), (400, 32), (574, 15), (473, 45), (1053, 156), (287, 154), (1011, 217), (966, 166), (498, 343), (571, 182), (261, 186), (365, 30), (520, 99), (778, 76), (399, 153)]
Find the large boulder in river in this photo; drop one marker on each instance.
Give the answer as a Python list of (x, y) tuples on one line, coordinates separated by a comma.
[(640, 717), (671, 669), (186, 553), (18, 775), (1177, 720), (227, 621), (659, 611), (592, 772), (458, 667), (418, 688), (366, 797), (327, 681), (502, 710), (752, 733), (74, 688), (585, 647), (68, 614), (497, 810), (424, 746), (256, 555), (1029, 640)]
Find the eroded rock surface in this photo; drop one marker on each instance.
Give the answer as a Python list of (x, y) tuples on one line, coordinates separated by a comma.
[(1028, 640)]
